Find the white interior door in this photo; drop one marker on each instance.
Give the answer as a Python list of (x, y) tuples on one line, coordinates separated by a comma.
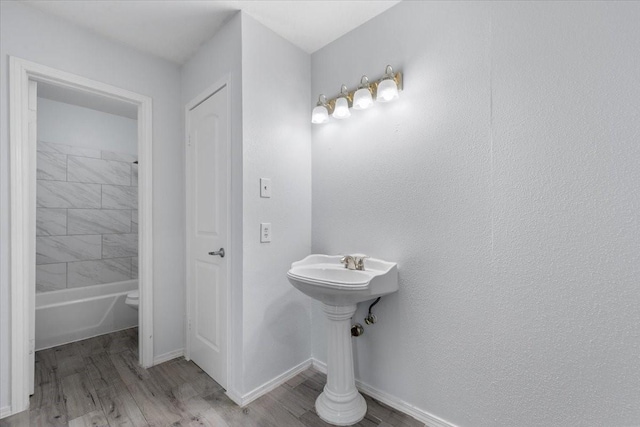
[(207, 191)]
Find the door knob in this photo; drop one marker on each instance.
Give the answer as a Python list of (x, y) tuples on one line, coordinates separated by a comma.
[(220, 252)]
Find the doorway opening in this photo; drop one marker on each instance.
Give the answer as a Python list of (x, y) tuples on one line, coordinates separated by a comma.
[(86, 216), (80, 215)]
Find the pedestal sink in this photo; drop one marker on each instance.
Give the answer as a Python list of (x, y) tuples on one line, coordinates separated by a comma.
[(325, 279)]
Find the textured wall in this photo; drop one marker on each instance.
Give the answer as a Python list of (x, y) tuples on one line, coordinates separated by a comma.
[(566, 198), (34, 36), (505, 184), (276, 145), (86, 217)]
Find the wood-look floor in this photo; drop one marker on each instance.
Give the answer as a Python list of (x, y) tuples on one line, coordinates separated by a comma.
[(97, 382)]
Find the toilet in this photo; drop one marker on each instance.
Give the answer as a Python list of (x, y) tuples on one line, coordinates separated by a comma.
[(133, 299)]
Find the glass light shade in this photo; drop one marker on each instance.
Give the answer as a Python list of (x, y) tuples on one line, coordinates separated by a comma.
[(341, 111), (387, 91), (319, 114), (362, 99)]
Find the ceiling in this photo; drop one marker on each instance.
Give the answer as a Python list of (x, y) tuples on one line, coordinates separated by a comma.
[(175, 30)]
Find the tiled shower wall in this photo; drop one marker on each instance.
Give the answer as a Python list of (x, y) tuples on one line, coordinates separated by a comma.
[(86, 217)]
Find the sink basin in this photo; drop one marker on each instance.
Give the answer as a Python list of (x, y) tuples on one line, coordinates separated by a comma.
[(325, 279)]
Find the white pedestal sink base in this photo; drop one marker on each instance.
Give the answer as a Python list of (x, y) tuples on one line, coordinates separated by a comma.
[(341, 414), (340, 403)]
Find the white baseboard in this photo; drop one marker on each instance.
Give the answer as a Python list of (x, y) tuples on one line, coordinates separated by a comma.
[(271, 384), (161, 358), (400, 405), (319, 366), (5, 411), (235, 397)]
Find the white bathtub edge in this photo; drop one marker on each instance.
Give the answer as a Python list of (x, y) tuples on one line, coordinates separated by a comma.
[(94, 291), (76, 314)]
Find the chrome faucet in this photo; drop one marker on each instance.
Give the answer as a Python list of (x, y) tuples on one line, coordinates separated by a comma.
[(353, 262)]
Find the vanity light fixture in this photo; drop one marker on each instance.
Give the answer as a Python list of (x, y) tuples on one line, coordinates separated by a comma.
[(320, 113), (383, 90), (341, 110), (388, 87), (362, 99)]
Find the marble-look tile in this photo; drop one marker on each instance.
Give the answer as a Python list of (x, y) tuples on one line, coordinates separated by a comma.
[(57, 194), (51, 166), (134, 221), (51, 277), (134, 175), (85, 273), (51, 222), (119, 197), (120, 157), (99, 221), (52, 147), (134, 267), (50, 250), (119, 245), (84, 169)]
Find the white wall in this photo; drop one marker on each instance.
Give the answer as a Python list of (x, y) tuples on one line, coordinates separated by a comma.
[(271, 319), (32, 35), (221, 58), (276, 145), (505, 184), (63, 123)]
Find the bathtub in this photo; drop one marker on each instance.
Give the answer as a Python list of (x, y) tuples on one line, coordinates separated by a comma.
[(75, 314)]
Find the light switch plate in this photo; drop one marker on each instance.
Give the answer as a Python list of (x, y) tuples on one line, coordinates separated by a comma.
[(265, 232), (265, 187)]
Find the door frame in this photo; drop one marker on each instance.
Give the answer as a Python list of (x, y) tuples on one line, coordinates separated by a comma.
[(199, 99), (22, 173)]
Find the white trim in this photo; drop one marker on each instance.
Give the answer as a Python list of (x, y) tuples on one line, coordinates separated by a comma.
[(161, 358), (22, 164), (145, 231), (398, 404), (236, 398), (20, 246), (271, 384), (230, 335), (5, 411)]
